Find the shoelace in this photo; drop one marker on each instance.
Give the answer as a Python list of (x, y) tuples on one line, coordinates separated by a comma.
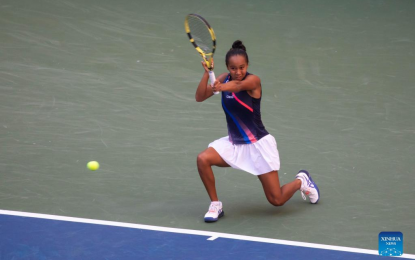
[(304, 197), (213, 208)]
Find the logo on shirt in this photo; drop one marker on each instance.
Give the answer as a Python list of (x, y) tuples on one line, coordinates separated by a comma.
[(229, 96)]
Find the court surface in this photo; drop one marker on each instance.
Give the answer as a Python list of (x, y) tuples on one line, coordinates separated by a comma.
[(33, 236), (114, 81)]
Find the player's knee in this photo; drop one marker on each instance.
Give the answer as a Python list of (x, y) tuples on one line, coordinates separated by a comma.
[(275, 201), (202, 159)]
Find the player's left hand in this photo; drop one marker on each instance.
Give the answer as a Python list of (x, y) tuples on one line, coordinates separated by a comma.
[(206, 67)]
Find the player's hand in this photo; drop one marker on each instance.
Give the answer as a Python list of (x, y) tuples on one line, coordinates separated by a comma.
[(217, 86), (206, 67), (213, 64)]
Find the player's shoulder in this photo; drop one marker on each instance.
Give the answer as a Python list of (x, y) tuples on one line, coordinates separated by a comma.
[(253, 77)]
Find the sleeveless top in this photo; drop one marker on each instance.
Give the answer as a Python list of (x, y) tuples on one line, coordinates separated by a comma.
[(243, 116)]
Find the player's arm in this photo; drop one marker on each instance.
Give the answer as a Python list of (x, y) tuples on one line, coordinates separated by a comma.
[(250, 83), (204, 90)]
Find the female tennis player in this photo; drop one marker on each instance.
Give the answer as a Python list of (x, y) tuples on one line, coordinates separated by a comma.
[(248, 146)]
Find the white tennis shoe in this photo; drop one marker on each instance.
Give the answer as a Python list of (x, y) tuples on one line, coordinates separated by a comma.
[(308, 187), (215, 212)]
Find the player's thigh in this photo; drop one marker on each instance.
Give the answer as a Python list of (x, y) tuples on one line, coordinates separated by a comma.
[(271, 183), (211, 157)]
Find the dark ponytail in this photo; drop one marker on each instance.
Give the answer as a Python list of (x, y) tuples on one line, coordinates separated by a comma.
[(238, 48)]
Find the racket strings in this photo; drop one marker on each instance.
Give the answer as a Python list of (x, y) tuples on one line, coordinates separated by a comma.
[(200, 33)]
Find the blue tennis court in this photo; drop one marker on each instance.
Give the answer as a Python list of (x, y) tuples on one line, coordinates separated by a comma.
[(38, 236)]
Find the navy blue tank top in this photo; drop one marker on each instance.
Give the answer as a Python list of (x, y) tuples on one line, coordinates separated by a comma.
[(243, 116)]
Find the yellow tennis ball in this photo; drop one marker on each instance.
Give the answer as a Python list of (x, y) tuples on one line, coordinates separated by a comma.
[(93, 165)]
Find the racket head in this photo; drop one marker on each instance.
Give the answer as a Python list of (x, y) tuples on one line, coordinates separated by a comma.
[(202, 37)]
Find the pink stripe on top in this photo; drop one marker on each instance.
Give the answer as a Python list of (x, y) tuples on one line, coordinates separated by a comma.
[(247, 131), (242, 103)]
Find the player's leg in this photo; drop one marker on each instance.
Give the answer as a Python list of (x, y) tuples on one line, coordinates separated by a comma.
[(277, 195), (205, 161)]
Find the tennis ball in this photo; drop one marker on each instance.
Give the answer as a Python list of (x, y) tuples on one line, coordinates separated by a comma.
[(93, 165)]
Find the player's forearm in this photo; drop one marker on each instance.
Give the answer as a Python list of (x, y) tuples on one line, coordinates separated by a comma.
[(202, 92), (232, 86)]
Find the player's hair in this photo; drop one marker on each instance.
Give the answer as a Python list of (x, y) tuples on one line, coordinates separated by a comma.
[(238, 48)]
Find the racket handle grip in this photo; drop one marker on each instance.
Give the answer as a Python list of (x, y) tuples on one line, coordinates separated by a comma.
[(212, 79)]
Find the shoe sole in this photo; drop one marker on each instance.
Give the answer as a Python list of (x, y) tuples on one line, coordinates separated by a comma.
[(315, 185), (210, 220)]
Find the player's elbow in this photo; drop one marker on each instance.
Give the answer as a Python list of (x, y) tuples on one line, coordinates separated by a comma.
[(199, 99)]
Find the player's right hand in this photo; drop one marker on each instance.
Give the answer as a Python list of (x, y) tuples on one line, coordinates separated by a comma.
[(217, 86)]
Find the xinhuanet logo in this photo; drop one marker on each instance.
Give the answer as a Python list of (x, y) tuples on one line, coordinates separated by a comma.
[(390, 243)]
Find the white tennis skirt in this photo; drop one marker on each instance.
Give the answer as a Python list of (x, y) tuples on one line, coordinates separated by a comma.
[(257, 158)]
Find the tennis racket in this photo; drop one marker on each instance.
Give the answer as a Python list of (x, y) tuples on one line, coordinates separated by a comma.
[(203, 38)]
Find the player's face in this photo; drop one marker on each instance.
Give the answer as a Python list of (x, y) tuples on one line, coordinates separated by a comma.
[(237, 66)]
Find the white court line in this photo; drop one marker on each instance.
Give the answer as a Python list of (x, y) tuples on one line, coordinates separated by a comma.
[(212, 235)]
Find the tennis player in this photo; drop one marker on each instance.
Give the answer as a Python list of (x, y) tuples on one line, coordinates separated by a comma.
[(248, 146)]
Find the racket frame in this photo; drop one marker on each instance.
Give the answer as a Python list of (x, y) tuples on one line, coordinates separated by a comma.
[(207, 57)]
